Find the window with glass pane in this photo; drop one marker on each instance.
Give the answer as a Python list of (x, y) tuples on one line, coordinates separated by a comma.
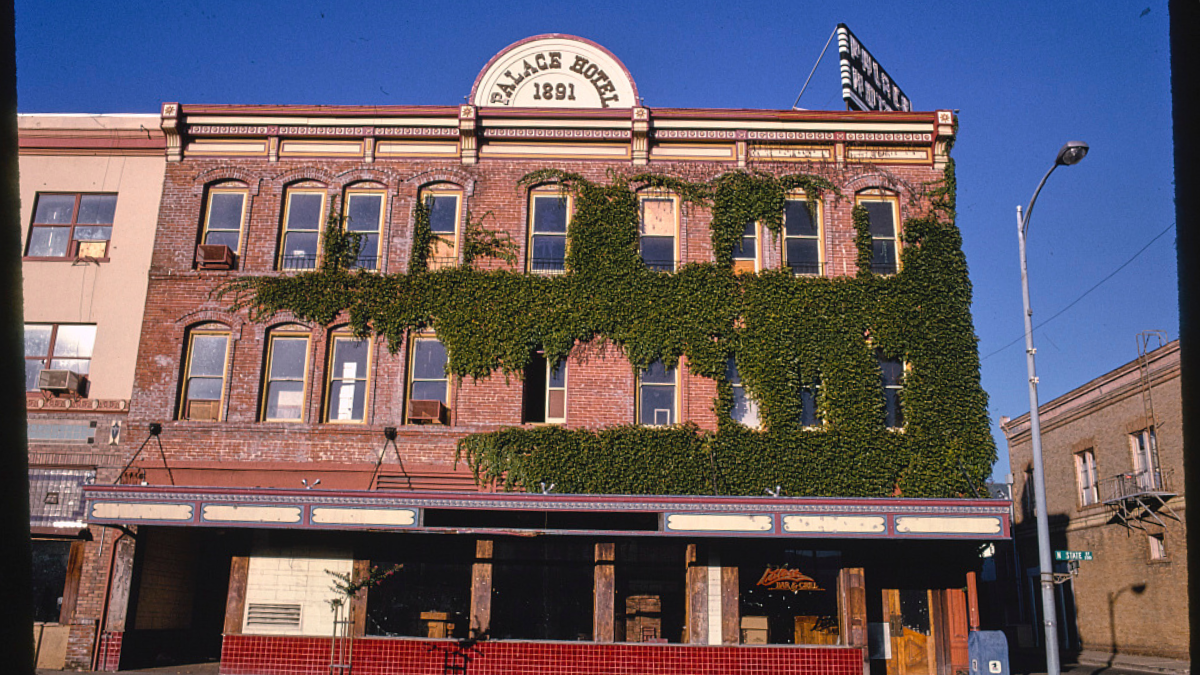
[(67, 225), (801, 238), (444, 217), (364, 215), (427, 376), (1085, 467), (892, 373), (656, 395), (223, 221), (1145, 460), (881, 216), (347, 392), (548, 234), (744, 409), (745, 251), (204, 384), (57, 347), (301, 230), (657, 229), (808, 405), (287, 363), (544, 397)]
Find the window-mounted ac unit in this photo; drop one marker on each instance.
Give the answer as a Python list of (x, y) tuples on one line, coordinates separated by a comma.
[(428, 412), (209, 411), (84, 248), (67, 381), (214, 257)]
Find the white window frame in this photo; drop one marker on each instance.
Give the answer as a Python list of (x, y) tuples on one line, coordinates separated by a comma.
[(547, 193), (641, 384), (877, 195), (1086, 478), (655, 195), (818, 216), (440, 190)]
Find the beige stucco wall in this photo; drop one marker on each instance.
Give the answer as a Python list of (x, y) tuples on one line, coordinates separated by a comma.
[(1125, 601), (110, 294)]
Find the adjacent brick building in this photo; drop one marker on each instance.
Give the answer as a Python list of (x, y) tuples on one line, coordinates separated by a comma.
[(293, 450), (1113, 456)]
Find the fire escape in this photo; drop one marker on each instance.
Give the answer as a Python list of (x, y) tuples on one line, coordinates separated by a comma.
[(1136, 499)]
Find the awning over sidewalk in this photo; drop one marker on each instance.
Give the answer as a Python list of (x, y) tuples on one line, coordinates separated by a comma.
[(522, 513)]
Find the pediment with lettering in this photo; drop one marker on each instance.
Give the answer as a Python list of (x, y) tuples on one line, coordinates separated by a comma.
[(554, 71)]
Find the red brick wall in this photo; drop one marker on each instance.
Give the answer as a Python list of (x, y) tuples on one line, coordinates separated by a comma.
[(259, 655), (601, 384)]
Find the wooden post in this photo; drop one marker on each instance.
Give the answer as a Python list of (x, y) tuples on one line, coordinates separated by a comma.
[(972, 602), (481, 589), (731, 633), (358, 604), (120, 586), (605, 594), (235, 600), (696, 597), (66, 614), (852, 611)]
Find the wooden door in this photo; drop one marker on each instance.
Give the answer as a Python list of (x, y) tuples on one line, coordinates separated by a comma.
[(908, 615)]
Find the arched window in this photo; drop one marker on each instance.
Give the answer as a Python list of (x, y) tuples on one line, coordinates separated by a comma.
[(205, 367), (303, 220), (285, 378)]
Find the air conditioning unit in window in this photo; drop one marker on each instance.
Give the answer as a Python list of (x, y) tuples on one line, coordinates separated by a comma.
[(428, 412), (88, 249), (208, 411), (59, 381), (213, 257)]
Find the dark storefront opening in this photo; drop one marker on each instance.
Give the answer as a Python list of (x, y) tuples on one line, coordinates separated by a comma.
[(50, 559), (542, 589), (650, 588), (788, 595), (430, 595), (180, 583)]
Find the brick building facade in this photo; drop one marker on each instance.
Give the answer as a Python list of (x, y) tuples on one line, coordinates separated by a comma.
[(293, 449), (1113, 456)]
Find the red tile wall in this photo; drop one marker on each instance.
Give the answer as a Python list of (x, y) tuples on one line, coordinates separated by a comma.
[(262, 655), (110, 651)]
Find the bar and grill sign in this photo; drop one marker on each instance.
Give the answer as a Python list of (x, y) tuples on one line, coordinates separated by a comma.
[(865, 84)]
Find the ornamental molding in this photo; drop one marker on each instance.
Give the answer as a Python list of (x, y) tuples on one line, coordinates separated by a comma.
[(889, 138), (696, 134), (605, 134), (796, 135)]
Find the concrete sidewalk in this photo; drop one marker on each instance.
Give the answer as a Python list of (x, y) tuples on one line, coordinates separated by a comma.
[(191, 669), (1143, 664)]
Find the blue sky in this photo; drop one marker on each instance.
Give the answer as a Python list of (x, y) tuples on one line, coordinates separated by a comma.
[(1025, 77)]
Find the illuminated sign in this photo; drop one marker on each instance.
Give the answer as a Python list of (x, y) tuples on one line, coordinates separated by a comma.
[(865, 84), (785, 579), (555, 71)]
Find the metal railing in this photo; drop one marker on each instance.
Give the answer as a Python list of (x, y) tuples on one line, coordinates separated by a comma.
[(804, 268), (441, 262), (298, 262), (366, 263), (885, 267), (547, 265), (1133, 484), (659, 265)]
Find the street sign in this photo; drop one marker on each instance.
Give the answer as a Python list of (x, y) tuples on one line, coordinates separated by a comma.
[(1072, 555)]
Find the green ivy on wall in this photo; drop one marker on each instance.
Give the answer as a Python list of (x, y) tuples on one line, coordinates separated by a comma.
[(784, 331)]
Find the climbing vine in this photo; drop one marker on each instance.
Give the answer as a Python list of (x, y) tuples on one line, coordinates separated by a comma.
[(784, 332)]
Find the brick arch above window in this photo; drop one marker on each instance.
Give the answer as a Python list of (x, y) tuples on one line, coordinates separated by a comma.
[(386, 178), (201, 317), (424, 179), (284, 322), (285, 180), (224, 174)]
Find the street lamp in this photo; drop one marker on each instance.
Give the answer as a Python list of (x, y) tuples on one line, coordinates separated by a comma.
[(1071, 153)]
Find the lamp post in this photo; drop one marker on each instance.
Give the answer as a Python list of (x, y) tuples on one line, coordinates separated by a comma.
[(1070, 154)]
